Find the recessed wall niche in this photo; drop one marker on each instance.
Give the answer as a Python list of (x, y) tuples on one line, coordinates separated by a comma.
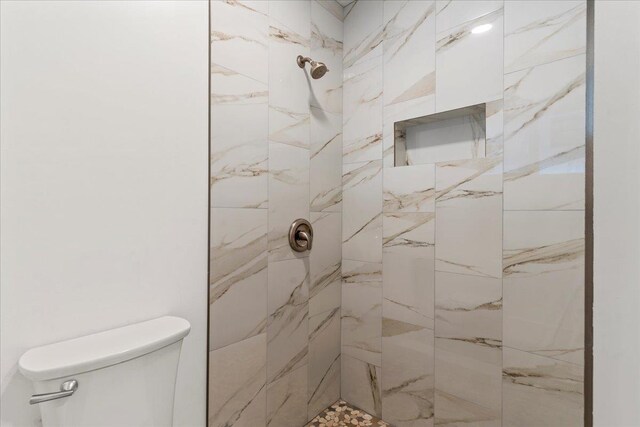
[(450, 135)]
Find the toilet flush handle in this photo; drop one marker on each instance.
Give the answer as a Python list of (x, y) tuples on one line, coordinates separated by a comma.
[(67, 388)]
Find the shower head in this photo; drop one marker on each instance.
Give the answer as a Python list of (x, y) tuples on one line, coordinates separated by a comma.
[(318, 69)]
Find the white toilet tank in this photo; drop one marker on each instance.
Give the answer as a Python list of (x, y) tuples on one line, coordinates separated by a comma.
[(125, 377)]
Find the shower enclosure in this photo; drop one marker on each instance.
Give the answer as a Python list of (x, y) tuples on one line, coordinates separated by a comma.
[(437, 149)]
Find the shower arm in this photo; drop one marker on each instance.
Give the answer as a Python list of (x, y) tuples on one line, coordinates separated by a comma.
[(303, 60)]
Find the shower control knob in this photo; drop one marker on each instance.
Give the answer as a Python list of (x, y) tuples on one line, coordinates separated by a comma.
[(301, 235)]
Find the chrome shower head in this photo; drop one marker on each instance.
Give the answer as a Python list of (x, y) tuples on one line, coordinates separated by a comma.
[(318, 69)]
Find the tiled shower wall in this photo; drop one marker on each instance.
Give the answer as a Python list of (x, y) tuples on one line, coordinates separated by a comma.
[(276, 150), (463, 288)]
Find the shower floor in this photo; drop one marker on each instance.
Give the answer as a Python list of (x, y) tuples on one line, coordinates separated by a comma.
[(343, 414)]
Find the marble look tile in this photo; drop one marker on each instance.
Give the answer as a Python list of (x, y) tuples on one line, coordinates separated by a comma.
[(469, 338), (362, 212), (324, 361), (333, 7), (363, 33), (288, 196), (238, 159), (469, 308), (362, 311), (286, 402), (452, 13), (451, 411), (544, 283), (417, 107), (544, 114), (361, 384), (239, 36), (326, 46), (469, 217), (541, 392), (324, 261), (288, 303), (494, 128), (469, 371), (444, 140), (538, 32), (409, 27), (347, 9), (288, 87), (409, 189), (408, 374), (293, 14), (362, 109), (326, 161), (408, 267), (238, 276), (470, 66), (237, 384)]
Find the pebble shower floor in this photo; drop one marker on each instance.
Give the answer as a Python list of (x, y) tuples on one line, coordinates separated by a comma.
[(342, 414)]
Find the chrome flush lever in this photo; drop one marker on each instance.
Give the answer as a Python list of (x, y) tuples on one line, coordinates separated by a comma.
[(67, 388), (301, 235)]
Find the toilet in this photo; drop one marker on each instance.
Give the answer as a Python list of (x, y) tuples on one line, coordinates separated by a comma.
[(121, 377)]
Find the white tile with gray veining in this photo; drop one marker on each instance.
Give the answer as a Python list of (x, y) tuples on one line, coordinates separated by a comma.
[(469, 371), (363, 32), (452, 13), (469, 308), (287, 327), (239, 36), (362, 310), (293, 14), (326, 161), (324, 361), (469, 217), (325, 260), (447, 139), (408, 374), (362, 109), (361, 384), (288, 196), (286, 402), (326, 46), (469, 338), (538, 32), (237, 384), (544, 136), (544, 283), (494, 128), (469, 63), (238, 276), (408, 267), (335, 8), (541, 392), (417, 107), (451, 411), (409, 189), (409, 28), (238, 159), (288, 86), (362, 211)]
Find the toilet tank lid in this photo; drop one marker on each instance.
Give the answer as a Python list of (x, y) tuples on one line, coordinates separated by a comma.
[(102, 349)]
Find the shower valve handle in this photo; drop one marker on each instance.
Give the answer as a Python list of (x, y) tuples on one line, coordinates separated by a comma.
[(301, 235)]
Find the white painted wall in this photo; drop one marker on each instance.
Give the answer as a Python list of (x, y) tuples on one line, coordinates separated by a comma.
[(104, 179), (617, 214)]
